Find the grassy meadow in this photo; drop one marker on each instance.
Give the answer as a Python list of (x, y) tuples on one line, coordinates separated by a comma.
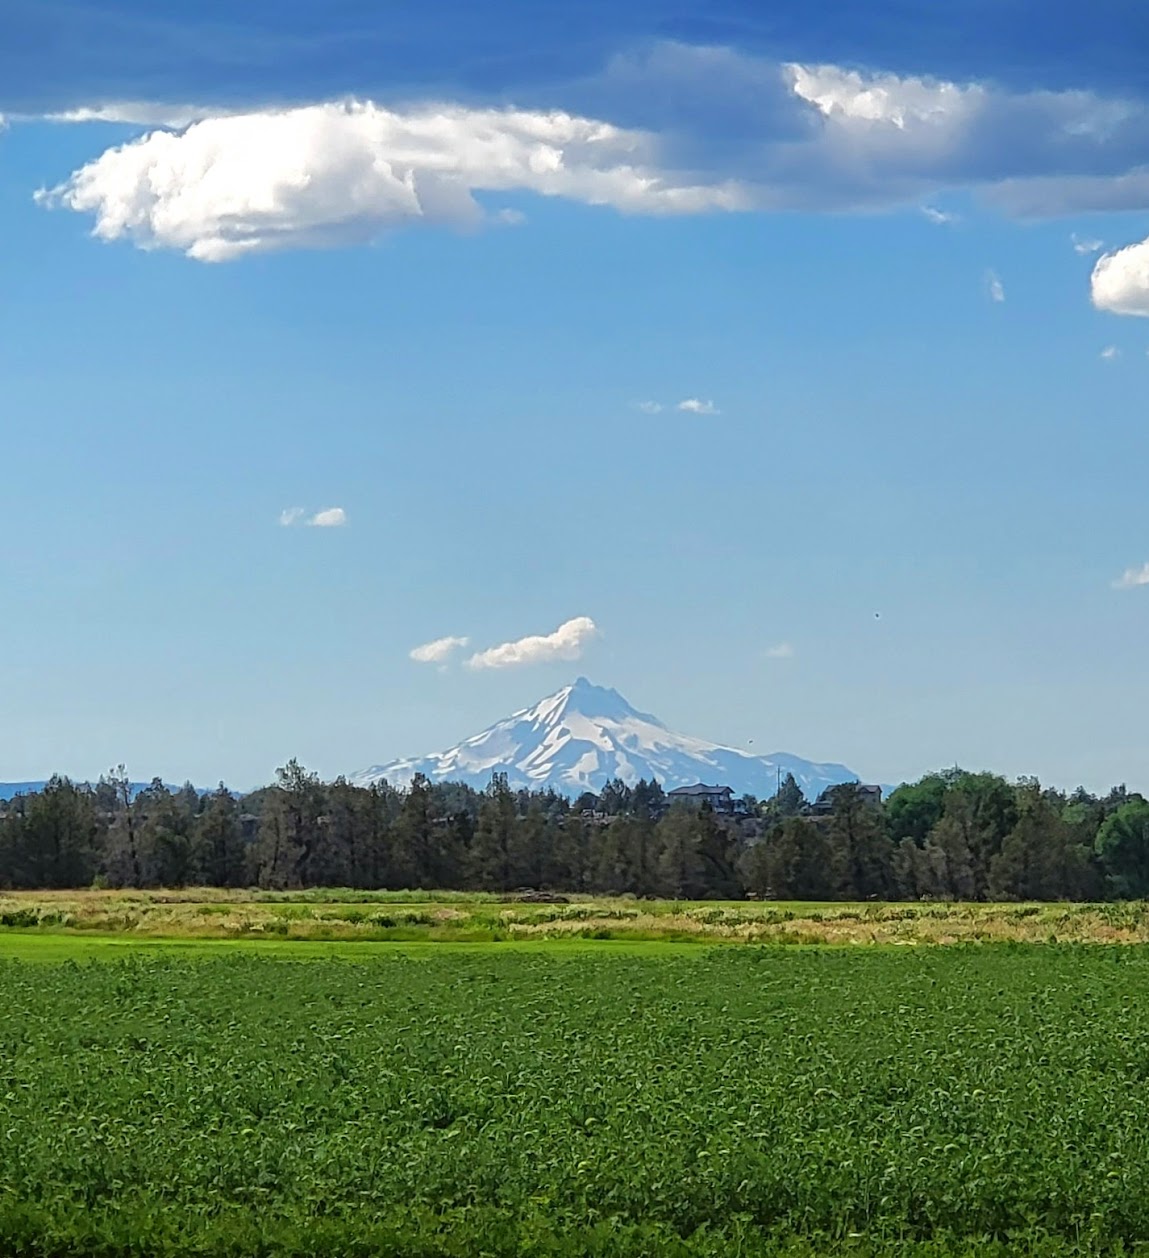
[(455, 917)]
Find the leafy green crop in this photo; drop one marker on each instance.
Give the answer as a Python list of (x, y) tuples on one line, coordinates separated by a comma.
[(748, 1101)]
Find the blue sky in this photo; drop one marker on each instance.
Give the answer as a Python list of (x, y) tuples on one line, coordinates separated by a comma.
[(439, 281)]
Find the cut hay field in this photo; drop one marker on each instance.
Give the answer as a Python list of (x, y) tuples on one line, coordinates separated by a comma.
[(545, 1102), (354, 916)]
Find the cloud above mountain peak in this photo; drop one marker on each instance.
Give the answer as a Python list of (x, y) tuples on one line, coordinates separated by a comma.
[(564, 643)]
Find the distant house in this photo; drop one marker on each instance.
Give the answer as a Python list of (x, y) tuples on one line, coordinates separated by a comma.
[(719, 798), (824, 804)]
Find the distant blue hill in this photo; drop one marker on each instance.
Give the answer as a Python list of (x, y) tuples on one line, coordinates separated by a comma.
[(9, 790)]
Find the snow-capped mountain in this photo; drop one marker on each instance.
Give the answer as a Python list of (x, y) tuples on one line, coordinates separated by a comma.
[(581, 737)]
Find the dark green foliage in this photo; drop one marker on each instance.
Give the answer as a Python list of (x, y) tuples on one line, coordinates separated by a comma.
[(860, 850), (953, 835), (789, 800), (48, 839), (1123, 848), (791, 863), (914, 809)]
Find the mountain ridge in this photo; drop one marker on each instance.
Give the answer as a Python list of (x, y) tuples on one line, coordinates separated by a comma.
[(584, 735)]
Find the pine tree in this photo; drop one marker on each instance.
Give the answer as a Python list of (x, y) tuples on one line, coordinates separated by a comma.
[(414, 837), (789, 800), (792, 862), (718, 858), (219, 850), (53, 838), (495, 837), (124, 868), (861, 851), (1032, 861), (681, 875)]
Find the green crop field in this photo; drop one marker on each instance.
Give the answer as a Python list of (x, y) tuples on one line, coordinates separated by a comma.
[(554, 1101)]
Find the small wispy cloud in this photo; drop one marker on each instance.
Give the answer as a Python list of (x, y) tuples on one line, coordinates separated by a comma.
[(942, 218), (510, 218), (1086, 245), (1110, 353), (138, 113), (565, 643), (696, 406), (648, 408), (1131, 578), (780, 651), (994, 286), (328, 518), (439, 650)]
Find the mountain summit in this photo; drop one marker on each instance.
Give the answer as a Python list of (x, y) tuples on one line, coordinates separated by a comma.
[(583, 735)]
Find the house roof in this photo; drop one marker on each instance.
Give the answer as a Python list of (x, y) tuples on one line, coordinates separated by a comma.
[(700, 788)]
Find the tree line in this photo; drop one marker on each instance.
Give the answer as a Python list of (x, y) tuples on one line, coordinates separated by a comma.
[(951, 835)]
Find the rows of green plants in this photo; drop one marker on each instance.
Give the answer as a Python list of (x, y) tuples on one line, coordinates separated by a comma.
[(749, 1101)]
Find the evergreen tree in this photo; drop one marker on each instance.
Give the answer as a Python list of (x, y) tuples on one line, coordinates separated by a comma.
[(861, 852), (494, 844), (681, 875), (220, 853), (647, 800), (54, 838), (530, 842), (717, 850), (571, 854), (956, 836), (615, 798), (1032, 862), (290, 850), (792, 862), (122, 854), (788, 801), (635, 844), (414, 836)]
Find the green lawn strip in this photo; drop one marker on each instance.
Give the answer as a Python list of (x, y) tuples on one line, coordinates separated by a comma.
[(81, 946)]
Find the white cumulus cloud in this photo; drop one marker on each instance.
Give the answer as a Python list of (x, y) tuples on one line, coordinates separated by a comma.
[(994, 286), (439, 650), (1110, 352), (341, 173), (941, 218), (679, 130), (780, 651), (901, 102), (1131, 578), (1120, 282), (328, 518), (696, 406), (565, 643)]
